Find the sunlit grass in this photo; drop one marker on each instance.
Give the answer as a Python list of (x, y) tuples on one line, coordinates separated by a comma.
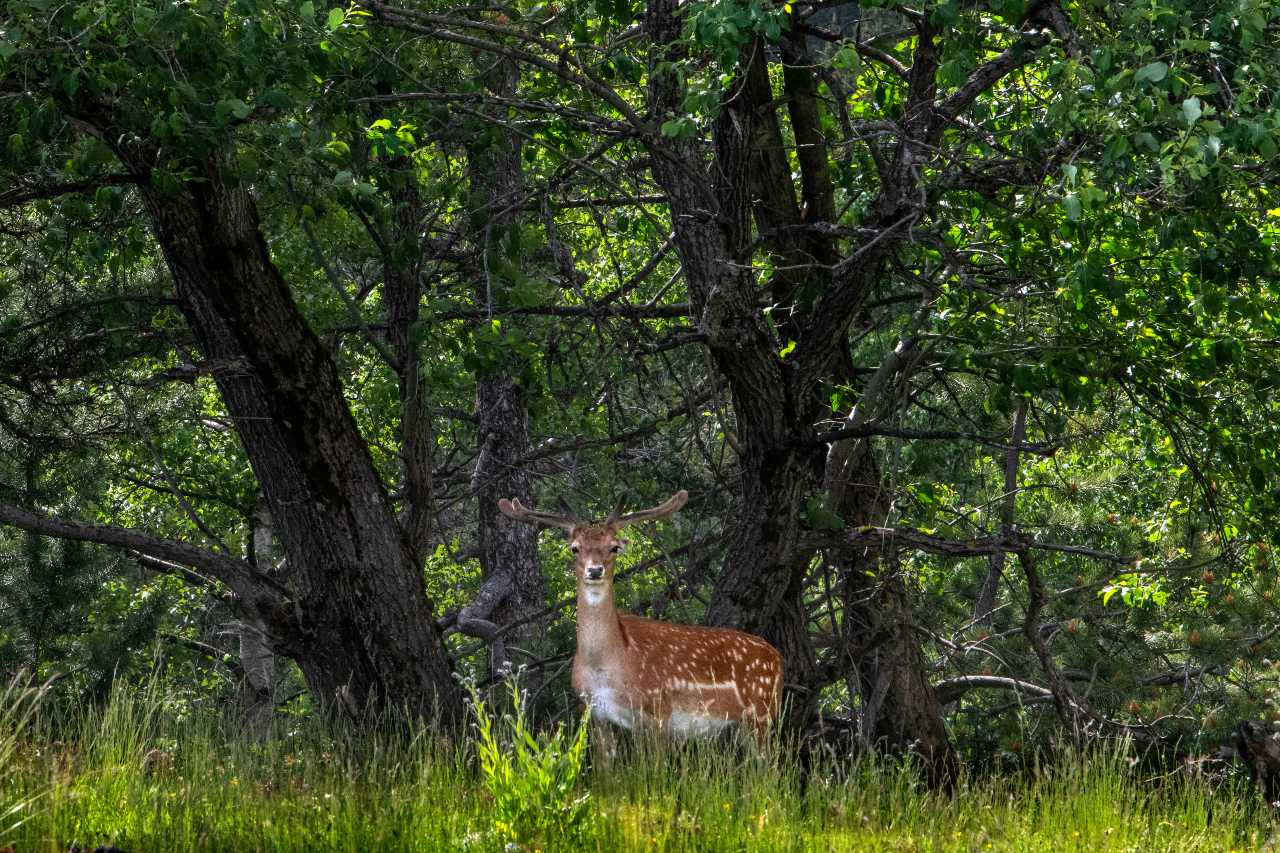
[(132, 775)]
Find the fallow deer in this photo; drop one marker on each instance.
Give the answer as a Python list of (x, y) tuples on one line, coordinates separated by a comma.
[(643, 673)]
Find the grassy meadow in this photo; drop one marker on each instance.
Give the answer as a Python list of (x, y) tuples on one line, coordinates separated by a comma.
[(137, 776)]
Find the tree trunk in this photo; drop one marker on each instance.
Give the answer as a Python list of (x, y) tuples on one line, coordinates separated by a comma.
[(760, 586), (351, 608), (984, 605), (881, 651), (257, 702), (514, 587), (777, 371)]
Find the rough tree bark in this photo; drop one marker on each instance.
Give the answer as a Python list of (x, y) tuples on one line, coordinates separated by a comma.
[(777, 399), (257, 701), (358, 621), (712, 209), (351, 608)]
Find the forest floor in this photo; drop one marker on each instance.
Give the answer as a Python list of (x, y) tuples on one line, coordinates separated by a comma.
[(144, 778)]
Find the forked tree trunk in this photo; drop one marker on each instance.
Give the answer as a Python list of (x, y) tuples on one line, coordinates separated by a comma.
[(776, 371)]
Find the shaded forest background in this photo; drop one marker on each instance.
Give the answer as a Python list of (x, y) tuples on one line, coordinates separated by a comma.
[(958, 320)]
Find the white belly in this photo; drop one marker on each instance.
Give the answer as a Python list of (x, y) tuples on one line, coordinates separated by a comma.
[(685, 724)]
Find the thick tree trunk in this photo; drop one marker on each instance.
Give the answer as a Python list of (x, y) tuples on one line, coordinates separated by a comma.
[(761, 583), (352, 608), (776, 371)]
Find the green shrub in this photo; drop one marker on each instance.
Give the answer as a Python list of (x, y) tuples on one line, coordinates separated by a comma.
[(534, 778)]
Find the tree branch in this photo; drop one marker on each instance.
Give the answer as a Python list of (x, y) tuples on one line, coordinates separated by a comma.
[(233, 572), (986, 76), (24, 192), (952, 689), (638, 312), (906, 537), (567, 67)]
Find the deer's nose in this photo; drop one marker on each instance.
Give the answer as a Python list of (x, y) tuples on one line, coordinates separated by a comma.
[(594, 573)]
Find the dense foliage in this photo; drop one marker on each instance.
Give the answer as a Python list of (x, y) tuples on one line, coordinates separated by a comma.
[(958, 320)]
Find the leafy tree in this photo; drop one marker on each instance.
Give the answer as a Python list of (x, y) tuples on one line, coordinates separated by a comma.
[(956, 319)]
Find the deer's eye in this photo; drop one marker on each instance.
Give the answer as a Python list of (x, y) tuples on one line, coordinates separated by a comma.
[(573, 548), (615, 547)]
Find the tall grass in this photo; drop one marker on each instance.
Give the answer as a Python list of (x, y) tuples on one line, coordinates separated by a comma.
[(18, 705), (130, 774)]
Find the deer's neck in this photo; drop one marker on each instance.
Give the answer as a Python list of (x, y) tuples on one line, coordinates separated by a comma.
[(599, 634)]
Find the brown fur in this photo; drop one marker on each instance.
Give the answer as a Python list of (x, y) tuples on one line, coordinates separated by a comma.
[(663, 667), (659, 668)]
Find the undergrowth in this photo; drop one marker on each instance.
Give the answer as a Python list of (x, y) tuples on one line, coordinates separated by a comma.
[(132, 775)]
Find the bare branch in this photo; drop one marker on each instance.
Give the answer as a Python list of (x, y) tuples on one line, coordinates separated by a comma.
[(906, 537), (25, 191), (953, 688), (638, 312)]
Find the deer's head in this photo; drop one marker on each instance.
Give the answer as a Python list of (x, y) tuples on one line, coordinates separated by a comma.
[(595, 544)]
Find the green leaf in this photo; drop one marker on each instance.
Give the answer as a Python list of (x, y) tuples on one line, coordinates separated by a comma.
[(847, 59), (1191, 110), (679, 128), (1152, 72), (335, 19), (307, 10), (1071, 204), (786, 351)]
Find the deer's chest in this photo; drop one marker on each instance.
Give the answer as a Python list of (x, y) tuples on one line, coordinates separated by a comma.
[(599, 688)]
